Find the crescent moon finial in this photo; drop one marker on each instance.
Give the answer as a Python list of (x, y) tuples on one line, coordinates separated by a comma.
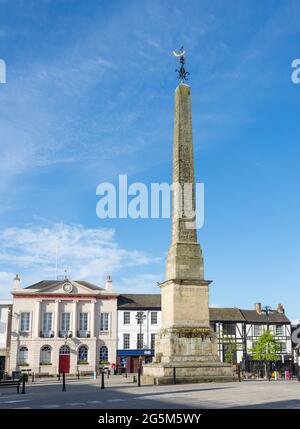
[(182, 74)]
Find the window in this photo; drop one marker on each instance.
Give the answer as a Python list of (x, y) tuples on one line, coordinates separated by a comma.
[(154, 318), (47, 322), (103, 354), (104, 321), (283, 347), (25, 322), (126, 319), (83, 322), (126, 341), (257, 330), (65, 322), (152, 341), (64, 350), (140, 341), (228, 328), (46, 355), (83, 354), (23, 355), (279, 330)]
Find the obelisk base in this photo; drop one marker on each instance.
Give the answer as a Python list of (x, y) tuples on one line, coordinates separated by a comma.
[(186, 355)]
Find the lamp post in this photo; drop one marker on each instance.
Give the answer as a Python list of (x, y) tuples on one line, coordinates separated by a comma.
[(140, 317), (267, 310)]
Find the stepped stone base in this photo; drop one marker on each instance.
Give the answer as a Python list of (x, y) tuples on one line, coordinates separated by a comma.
[(189, 354), (186, 373)]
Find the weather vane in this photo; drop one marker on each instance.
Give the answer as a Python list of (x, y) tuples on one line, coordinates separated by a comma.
[(182, 74)]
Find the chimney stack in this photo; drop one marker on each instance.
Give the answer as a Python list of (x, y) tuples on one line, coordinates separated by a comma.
[(280, 308), (258, 307), (16, 283), (108, 284)]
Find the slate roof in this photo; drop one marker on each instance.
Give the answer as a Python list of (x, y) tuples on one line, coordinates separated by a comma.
[(275, 317), (139, 301), (225, 315)]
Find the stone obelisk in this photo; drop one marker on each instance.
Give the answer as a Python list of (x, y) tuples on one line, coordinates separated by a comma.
[(185, 342)]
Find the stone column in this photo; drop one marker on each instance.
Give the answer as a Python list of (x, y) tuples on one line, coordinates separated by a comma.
[(92, 321), (38, 318), (74, 328), (56, 318)]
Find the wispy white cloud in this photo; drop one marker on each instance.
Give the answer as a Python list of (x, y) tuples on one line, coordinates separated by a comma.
[(86, 253)]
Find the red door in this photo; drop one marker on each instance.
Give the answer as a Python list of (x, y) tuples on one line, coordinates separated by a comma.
[(64, 364)]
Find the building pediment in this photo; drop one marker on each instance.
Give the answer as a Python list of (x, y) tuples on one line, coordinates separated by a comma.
[(61, 287)]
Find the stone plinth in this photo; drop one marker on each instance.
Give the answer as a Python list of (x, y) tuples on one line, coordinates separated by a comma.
[(187, 372), (185, 304), (186, 341)]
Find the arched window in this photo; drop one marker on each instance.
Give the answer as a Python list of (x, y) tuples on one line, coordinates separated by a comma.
[(82, 354), (103, 355), (23, 355), (64, 350), (45, 355)]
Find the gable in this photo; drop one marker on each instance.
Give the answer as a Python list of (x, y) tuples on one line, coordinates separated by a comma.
[(68, 287)]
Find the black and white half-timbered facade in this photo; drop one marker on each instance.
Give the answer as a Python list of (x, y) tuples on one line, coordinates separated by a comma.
[(243, 327)]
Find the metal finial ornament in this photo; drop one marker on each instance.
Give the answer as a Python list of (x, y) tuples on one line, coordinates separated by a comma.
[(182, 74)]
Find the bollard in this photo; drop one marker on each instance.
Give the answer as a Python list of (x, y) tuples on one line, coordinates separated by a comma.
[(174, 375), (32, 377), (23, 384), (239, 372), (64, 382), (139, 377), (126, 373), (107, 373), (78, 375), (102, 379)]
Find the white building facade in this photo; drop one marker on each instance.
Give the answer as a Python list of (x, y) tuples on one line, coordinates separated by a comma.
[(139, 320), (5, 335), (63, 326)]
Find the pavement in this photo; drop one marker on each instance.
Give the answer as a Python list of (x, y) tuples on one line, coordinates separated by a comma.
[(122, 393)]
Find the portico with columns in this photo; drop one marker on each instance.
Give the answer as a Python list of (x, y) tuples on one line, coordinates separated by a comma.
[(63, 326)]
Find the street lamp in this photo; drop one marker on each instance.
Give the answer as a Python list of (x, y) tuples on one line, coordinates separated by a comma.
[(267, 310), (140, 317)]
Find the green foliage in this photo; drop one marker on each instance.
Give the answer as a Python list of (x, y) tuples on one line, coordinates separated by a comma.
[(266, 347), (232, 348)]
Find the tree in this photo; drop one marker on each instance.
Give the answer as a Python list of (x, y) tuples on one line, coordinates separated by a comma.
[(266, 349), (231, 348)]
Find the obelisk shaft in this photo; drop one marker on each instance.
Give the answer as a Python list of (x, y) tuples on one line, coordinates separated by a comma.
[(185, 257)]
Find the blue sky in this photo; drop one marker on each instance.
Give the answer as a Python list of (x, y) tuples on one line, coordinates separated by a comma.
[(89, 96)]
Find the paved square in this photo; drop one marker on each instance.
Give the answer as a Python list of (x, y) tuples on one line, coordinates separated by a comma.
[(122, 393)]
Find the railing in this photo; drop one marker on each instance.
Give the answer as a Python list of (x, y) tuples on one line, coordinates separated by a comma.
[(47, 334), (64, 334), (83, 334)]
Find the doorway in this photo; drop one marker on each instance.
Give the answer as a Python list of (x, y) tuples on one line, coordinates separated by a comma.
[(64, 360)]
